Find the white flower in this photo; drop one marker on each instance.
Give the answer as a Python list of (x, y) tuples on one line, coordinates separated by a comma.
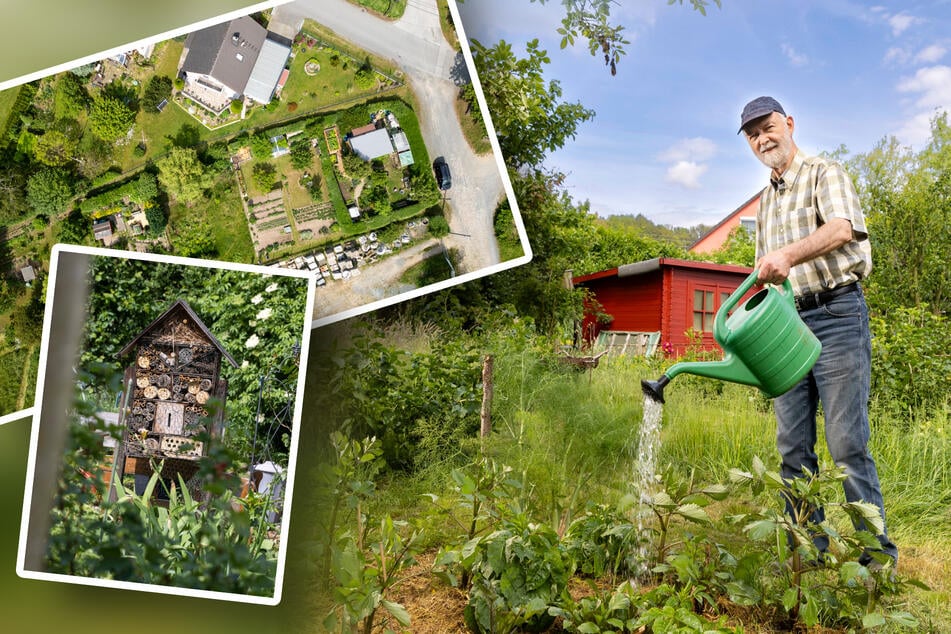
[(252, 341), (245, 363), (257, 299), (273, 286), (264, 314)]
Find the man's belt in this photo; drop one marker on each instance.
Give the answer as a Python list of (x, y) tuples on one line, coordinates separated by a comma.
[(814, 300)]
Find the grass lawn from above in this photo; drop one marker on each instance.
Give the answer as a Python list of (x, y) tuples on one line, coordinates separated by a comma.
[(13, 366), (8, 99), (222, 214)]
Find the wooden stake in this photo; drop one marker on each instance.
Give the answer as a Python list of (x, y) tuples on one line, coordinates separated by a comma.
[(486, 415)]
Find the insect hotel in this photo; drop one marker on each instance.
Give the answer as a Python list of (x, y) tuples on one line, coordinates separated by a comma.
[(170, 385)]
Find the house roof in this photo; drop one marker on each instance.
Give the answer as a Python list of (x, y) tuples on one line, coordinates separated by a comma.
[(733, 214), (227, 51), (648, 266), (179, 305), (372, 144), (101, 228), (267, 71)]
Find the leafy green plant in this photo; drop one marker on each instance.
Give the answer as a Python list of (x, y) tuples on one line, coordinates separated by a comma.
[(487, 492), (679, 498), (603, 541), (365, 557), (814, 586), (518, 573), (627, 609)]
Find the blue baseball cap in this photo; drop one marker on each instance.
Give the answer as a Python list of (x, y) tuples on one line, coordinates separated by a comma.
[(759, 107)]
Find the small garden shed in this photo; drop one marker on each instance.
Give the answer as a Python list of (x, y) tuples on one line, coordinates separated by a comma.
[(170, 383), (666, 296)]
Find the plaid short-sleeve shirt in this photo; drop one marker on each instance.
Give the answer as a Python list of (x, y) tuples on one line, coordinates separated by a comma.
[(810, 193)]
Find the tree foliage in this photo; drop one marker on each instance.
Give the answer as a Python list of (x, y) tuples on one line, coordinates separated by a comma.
[(182, 174), (13, 200), (261, 147), (49, 190), (301, 154), (55, 148), (264, 176), (70, 98), (110, 118), (907, 199), (158, 89), (529, 117), (590, 20), (145, 188)]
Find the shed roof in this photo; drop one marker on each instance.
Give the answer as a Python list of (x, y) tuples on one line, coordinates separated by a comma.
[(655, 264), (226, 51), (179, 305), (267, 71), (400, 142), (372, 144)]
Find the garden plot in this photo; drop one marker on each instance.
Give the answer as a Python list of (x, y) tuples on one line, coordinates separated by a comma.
[(316, 219), (268, 221)]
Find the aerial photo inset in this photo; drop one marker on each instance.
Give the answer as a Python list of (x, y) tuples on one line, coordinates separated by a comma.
[(315, 135)]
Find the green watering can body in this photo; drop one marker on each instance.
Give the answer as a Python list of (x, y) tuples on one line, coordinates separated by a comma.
[(765, 342)]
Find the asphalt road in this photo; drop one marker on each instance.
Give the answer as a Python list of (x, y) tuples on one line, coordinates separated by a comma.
[(434, 71)]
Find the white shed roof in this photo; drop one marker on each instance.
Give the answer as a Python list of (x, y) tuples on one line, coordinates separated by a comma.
[(267, 71), (372, 144)]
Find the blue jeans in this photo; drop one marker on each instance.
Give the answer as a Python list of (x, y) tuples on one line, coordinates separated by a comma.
[(840, 379)]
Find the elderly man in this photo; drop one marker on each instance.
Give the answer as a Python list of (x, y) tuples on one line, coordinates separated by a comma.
[(810, 229)]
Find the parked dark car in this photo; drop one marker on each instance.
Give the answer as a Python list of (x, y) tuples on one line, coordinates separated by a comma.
[(443, 177)]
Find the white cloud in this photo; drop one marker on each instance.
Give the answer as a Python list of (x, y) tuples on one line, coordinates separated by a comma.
[(897, 55), (931, 89), (930, 54), (795, 58), (932, 84), (901, 22), (916, 131), (686, 173), (695, 149)]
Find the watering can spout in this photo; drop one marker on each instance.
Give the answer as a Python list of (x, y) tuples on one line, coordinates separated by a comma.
[(655, 389)]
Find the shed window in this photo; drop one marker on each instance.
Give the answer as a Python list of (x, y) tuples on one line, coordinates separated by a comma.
[(706, 301)]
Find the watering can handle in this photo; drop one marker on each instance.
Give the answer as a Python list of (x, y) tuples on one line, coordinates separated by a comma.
[(719, 323)]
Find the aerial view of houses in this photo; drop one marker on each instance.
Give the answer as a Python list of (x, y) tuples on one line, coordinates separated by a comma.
[(252, 140)]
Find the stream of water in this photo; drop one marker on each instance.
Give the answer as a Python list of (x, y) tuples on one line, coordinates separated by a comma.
[(645, 468)]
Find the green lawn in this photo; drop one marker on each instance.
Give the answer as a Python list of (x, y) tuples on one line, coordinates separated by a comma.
[(332, 84), (221, 213), (7, 100), (12, 366)]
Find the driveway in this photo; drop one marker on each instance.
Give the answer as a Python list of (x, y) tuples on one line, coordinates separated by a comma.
[(435, 72)]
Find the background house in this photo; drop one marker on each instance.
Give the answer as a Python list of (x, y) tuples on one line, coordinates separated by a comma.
[(744, 215), (665, 296), (232, 60)]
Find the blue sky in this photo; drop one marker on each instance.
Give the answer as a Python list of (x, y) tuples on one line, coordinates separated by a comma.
[(663, 142)]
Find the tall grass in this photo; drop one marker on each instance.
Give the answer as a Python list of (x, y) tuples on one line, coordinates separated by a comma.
[(571, 437)]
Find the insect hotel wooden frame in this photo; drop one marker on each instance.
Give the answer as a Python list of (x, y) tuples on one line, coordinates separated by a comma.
[(175, 371)]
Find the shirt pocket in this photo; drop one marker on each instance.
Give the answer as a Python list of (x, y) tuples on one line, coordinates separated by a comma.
[(802, 223)]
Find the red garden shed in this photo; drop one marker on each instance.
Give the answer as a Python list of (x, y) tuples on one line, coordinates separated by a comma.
[(665, 296)]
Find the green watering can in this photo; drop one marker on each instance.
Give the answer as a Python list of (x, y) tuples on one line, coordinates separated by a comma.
[(765, 342)]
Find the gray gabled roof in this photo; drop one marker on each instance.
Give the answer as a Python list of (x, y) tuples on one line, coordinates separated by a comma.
[(372, 144), (180, 305), (267, 71), (227, 51)]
